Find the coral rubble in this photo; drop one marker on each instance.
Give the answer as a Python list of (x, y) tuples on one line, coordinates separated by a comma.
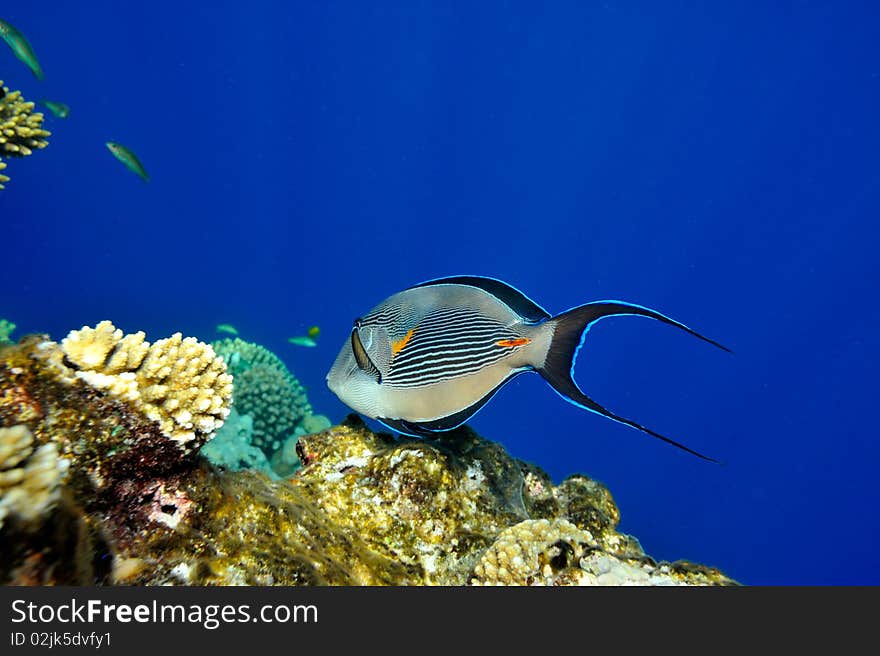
[(114, 499), (21, 130)]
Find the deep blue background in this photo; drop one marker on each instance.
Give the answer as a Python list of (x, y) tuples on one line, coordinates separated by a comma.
[(719, 164)]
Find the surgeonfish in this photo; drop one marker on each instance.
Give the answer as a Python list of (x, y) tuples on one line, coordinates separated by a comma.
[(58, 109), (303, 340), (226, 328), (428, 358), (20, 47), (128, 158)]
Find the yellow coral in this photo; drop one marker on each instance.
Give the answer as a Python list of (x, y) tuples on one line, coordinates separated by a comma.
[(29, 479), (178, 382), (531, 553), (21, 130)]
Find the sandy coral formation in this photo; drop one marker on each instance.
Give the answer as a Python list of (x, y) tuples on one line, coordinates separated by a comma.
[(30, 479), (531, 552), (180, 383), (266, 390), (21, 129)]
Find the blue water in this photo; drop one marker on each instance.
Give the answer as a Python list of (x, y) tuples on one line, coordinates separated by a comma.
[(719, 164)]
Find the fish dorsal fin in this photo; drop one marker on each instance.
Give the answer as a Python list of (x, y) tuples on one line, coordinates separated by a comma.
[(510, 296)]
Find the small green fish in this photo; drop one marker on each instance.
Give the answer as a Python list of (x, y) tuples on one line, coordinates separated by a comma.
[(128, 158), (226, 328), (58, 109), (302, 341), (314, 331), (20, 47)]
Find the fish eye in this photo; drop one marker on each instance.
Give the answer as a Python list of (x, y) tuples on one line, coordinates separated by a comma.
[(358, 322)]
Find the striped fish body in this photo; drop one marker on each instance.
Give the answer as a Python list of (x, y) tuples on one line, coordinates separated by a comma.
[(438, 350), (428, 358)]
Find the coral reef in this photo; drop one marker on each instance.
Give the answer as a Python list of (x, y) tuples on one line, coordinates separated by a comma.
[(231, 447), (21, 129), (121, 467), (266, 390), (110, 498), (6, 327)]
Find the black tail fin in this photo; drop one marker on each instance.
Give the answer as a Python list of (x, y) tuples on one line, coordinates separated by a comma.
[(570, 328)]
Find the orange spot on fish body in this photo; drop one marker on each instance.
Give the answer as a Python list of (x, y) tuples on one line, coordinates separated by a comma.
[(397, 347), (521, 341)]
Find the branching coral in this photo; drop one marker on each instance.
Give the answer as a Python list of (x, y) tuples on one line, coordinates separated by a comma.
[(30, 478), (21, 130), (180, 383), (266, 390)]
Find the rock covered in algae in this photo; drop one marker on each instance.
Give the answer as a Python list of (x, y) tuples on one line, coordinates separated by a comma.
[(21, 130), (266, 390), (133, 507)]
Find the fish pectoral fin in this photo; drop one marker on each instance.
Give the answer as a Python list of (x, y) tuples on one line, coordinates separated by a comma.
[(362, 358)]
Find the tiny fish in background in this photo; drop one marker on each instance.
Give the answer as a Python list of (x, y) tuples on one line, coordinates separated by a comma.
[(58, 109), (304, 340), (20, 47), (428, 358), (128, 158), (226, 328), (313, 332)]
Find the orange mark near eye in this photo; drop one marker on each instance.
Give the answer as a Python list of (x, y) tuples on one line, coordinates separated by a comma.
[(397, 347), (522, 341)]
